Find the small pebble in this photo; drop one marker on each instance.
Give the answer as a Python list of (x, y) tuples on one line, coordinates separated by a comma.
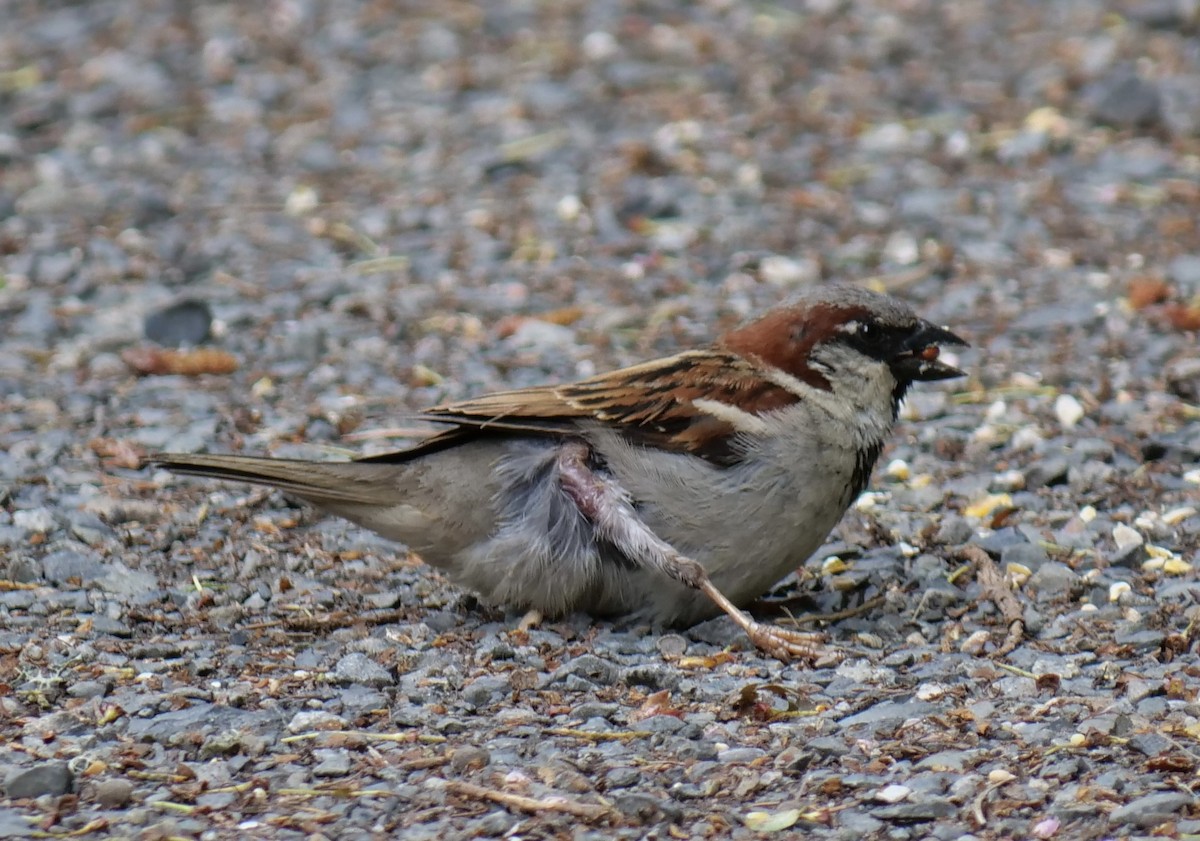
[(893, 793), (52, 778), (1126, 538), (1068, 410), (113, 793)]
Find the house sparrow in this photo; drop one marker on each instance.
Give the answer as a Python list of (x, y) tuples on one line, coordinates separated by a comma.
[(670, 491)]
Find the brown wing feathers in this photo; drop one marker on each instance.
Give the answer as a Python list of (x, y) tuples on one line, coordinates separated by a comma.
[(650, 402)]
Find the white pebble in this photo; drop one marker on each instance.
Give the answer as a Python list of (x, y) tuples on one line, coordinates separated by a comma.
[(1177, 515), (599, 45), (898, 469), (996, 411), (976, 643), (931, 691), (1068, 410), (1026, 438), (34, 519), (1192, 476), (893, 793), (1118, 589), (778, 270), (1126, 538), (569, 207), (901, 248), (870, 499), (300, 201), (1087, 513), (1009, 480)]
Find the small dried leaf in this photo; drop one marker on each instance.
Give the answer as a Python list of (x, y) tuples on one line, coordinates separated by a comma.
[(771, 821), (1173, 763), (657, 704), (988, 504), (1145, 291), (710, 661), (117, 453), (1183, 316), (150, 361), (1176, 566)]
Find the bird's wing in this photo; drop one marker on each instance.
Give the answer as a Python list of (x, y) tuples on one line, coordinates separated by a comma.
[(693, 402)]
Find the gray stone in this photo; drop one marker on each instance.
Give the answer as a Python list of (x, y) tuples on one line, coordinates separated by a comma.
[(120, 580), (1184, 272), (587, 666), (469, 759), (34, 519), (953, 531), (1152, 809), (1027, 555), (1151, 744), (170, 727), (52, 778), (888, 711), (928, 809), (1138, 637), (859, 824), (87, 689), (1125, 100), (1046, 472), (495, 824), (946, 760), (187, 322), (661, 724), (89, 528), (113, 793), (487, 689), (828, 746), (331, 762), (67, 565), (1052, 580), (357, 667), (595, 709), (622, 777), (652, 676)]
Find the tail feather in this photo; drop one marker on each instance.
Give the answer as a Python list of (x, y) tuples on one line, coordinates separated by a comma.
[(316, 481)]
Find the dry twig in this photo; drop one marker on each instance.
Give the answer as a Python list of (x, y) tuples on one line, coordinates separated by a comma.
[(996, 589), (586, 811)]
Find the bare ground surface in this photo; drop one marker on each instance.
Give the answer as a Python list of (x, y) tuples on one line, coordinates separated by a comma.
[(384, 205)]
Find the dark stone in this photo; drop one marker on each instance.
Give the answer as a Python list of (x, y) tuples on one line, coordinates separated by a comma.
[(929, 809), (1152, 809), (185, 323), (1126, 100), (53, 778), (1150, 744)]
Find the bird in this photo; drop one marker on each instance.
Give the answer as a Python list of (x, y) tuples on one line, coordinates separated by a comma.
[(670, 491)]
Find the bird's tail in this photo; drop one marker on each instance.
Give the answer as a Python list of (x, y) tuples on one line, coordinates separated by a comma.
[(316, 481)]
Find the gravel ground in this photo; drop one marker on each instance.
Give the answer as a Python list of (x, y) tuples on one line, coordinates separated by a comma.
[(281, 227)]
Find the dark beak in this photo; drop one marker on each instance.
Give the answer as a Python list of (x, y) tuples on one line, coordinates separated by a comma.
[(918, 358)]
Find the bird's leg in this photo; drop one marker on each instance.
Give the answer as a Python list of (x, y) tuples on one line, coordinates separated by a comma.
[(608, 507)]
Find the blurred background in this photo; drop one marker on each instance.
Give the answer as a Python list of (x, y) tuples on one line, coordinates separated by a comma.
[(282, 227), (415, 201)]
